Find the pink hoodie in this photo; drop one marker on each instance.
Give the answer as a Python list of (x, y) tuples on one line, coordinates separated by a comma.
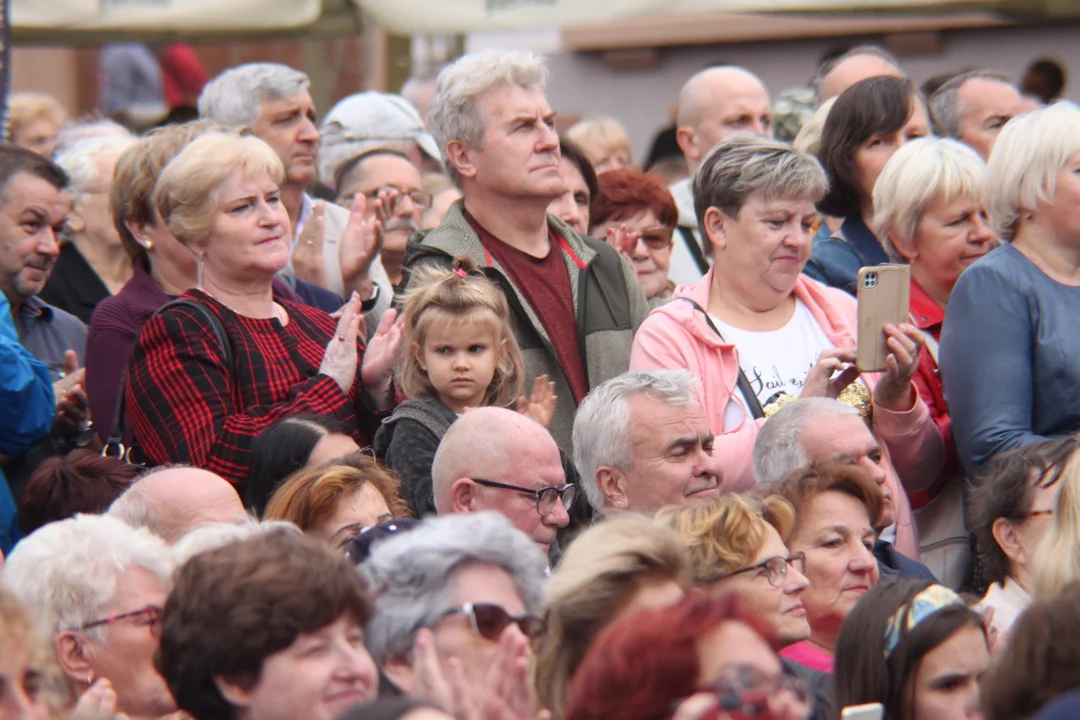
[(676, 336)]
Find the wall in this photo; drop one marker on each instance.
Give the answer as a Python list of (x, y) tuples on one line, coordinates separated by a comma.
[(581, 84)]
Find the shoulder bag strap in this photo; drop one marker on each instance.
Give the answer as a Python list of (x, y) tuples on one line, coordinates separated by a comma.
[(114, 445), (695, 248), (744, 385)]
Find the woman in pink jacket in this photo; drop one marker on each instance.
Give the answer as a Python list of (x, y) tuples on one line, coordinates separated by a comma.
[(754, 315)]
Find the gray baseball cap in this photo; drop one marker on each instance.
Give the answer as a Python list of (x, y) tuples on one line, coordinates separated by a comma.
[(372, 115)]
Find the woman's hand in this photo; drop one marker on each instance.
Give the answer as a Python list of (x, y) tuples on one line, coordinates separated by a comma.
[(894, 390), (360, 244), (820, 381), (69, 392), (97, 703), (540, 405), (504, 694), (307, 258), (381, 357), (341, 357), (703, 706), (623, 240)]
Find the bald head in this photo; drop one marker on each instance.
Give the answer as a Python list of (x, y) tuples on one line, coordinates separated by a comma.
[(495, 445), (851, 69), (173, 501), (717, 103)]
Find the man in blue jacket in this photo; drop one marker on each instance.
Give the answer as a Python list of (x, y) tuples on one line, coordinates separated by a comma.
[(26, 396)]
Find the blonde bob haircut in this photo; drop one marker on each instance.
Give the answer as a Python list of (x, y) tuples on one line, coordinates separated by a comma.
[(27, 107), (309, 497), (600, 138), (808, 139), (1057, 560), (922, 171), (186, 195), (597, 577), (450, 299), (727, 535), (1023, 168)]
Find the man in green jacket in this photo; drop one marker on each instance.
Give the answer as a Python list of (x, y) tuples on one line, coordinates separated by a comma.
[(576, 302)]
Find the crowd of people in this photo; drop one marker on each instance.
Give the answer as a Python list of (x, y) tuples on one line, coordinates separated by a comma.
[(424, 411)]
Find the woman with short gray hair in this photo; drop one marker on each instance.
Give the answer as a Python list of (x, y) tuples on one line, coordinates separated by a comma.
[(1009, 343), (757, 333)]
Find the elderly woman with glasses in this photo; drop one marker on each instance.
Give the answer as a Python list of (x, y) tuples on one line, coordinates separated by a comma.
[(758, 333), (457, 595), (207, 377), (737, 547), (99, 586)]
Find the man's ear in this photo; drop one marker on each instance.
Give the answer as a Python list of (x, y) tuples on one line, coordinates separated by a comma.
[(687, 142), (72, 658), (236, 693), (612, 484), (464, 496), (461, 158), (1009, 541), (400, 673), (75, 222)]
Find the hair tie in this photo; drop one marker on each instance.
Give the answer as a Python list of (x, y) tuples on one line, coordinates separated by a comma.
[(928, 602), (460, 272)]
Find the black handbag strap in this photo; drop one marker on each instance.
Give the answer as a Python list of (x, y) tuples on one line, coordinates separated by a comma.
[(115, 445), (748, 393), (695, 248)]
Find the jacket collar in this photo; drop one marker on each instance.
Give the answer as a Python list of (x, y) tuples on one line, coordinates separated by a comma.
[(928, 315), (863, 241)]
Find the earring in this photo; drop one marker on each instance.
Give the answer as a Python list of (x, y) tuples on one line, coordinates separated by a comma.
[(149, 245)]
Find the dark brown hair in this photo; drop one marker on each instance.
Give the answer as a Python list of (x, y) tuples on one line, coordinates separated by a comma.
[(573, 153), (1006, 489), (80, 482), (235, 606), (16, 160), (877, 105), (800, 486), (1041, 659)]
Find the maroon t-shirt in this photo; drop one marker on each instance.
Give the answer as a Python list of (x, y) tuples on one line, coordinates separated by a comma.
[(545, 285)]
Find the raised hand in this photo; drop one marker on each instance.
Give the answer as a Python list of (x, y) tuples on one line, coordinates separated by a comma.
[(307, 258), (623, 240), (820, 381), (381, 357), (360, 244), (894, 390), (540, 405), (72, 405), (341, 357), (97, 703)]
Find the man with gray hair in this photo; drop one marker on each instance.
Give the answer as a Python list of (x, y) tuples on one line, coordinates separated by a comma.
[(815, 430), (641, 441), (458, 585), (714, 104), (273, 101), (576, 303), (171, 501), (99, 587), (973, 107), (497, 459)]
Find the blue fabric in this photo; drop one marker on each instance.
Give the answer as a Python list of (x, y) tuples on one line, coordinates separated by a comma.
[(891, 564), (1010, 356), (26, 396), (1065, 707), (319, 297), (835, 260)]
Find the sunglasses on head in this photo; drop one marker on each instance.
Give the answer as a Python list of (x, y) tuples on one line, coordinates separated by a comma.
[(490, 620), (359, 547)]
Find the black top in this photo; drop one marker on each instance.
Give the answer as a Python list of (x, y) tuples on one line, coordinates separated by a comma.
[(74, 286)]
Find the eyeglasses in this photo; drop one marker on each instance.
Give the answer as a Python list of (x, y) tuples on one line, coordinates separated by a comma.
[(545, 497), (657, 238), (746, 690), (490, 621), (358, 547), (775, 568), (419, 198), (149, 617)]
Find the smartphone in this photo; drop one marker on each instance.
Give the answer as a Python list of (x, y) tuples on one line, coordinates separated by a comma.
[(883, 293), (870, 711)]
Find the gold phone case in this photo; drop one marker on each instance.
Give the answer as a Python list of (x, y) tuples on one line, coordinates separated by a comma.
[(884, 295)]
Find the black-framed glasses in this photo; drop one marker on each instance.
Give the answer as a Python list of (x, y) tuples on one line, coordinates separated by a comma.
[(489, 620), (775, 568), (358, 547), (545, 497), (148, 617)]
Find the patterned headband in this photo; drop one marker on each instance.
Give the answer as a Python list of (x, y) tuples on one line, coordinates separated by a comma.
[(931, 600)]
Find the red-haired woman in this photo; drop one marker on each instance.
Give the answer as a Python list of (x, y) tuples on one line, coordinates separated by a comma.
[(636, 214), (686, 661)]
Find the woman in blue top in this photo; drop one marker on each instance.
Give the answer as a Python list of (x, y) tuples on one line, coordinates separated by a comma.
[(866, 125), (1010, 347)]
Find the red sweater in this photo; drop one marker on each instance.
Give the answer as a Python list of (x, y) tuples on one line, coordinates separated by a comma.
[(185, 406)]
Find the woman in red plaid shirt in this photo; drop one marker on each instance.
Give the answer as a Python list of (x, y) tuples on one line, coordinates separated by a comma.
[(188, 405)]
